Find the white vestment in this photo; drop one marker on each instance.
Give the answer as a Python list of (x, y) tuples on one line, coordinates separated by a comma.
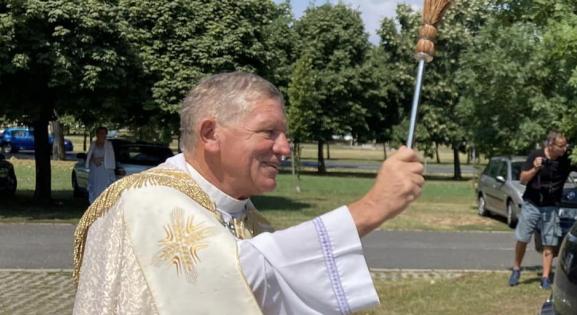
[(316, 267), (102, 175)]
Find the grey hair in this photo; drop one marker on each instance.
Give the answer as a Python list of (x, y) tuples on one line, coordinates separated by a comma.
[(552, 136), (226, 97)]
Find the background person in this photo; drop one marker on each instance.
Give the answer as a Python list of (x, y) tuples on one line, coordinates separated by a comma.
[(544, 174), (184, 238), (101, 162)]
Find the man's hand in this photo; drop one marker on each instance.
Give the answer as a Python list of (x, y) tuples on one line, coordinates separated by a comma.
[(538, 162), (398, 183)]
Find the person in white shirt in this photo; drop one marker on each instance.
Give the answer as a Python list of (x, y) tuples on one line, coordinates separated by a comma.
[(184, 237), (101, 163)]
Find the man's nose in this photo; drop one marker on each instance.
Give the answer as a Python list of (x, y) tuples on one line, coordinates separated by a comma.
[(281, 145)]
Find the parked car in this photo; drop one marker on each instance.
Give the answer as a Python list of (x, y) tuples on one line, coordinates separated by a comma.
[(499, 190), (8, 181), (131, 157), (15, 139), (563, 300)]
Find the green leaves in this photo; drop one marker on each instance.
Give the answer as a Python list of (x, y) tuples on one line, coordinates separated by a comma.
[(517, 78), (326, 83)]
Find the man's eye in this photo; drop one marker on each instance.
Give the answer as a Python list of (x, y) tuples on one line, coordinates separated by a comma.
[(270, 133)]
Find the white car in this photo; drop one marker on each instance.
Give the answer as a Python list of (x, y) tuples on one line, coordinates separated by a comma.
[(131, 157)]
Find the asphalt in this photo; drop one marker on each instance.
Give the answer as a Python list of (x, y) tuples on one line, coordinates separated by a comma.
[(444, 250)]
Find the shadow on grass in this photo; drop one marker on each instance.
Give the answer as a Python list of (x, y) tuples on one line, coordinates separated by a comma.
[(23, 207), (268, 203), (340, 173)]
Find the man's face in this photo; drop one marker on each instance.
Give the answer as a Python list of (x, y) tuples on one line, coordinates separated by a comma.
[(558, 148), (251, 149)]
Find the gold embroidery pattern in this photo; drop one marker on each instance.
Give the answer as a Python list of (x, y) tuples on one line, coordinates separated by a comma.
[(157, 176), (182, 242)]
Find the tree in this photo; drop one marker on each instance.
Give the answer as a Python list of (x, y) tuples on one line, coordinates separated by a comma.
[(438, 119), (180, 42), (304, 105), (390, 78), (527, 82), (332, 36), (60, 55)]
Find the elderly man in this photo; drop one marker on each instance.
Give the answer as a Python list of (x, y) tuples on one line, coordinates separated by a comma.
[(545, 173), (184, 238)]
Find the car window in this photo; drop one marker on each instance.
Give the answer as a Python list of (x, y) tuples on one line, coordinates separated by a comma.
[(19, 133), (516, 170), (142, 154), (502, 170), (487, 169), (493, 168)]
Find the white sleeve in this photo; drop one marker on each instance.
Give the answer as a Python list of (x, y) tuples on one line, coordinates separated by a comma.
[(316, 267)]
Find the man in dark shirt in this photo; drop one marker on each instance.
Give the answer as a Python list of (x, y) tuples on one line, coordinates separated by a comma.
[(544, 173)]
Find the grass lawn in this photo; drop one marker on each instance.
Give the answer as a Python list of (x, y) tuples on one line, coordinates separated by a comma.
[(482, 293), (445, 205)]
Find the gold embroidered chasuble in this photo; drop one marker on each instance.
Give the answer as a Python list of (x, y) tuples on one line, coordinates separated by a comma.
[(153, 243)]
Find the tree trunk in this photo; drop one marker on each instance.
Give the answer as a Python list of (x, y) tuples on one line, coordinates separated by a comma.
[(321, 168), (295, 165), (43, 189), (85, 136), (58, 151), (456, 161), (384, 150), (328, 151), (437, 153)]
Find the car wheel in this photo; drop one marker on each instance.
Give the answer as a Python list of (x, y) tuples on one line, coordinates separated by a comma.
[(482, 211), (76, 191), (511, 217), (12, 190), (7, 148)]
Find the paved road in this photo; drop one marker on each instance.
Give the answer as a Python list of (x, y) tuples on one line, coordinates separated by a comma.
[(49, 246), (444, 250), (36, 246), (430, 169)]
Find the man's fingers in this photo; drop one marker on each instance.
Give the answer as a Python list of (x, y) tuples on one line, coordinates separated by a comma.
[(406, 154), (417, 180), (416, 168)]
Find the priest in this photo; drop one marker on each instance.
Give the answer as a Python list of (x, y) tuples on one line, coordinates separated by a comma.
[(185, 238)]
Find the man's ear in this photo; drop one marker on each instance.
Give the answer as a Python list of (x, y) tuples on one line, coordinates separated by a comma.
[(208, 134)]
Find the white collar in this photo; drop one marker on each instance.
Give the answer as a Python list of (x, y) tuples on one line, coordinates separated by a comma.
[(229, 206)]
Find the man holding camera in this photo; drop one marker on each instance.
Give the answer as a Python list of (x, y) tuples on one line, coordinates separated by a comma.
[(545, 173)]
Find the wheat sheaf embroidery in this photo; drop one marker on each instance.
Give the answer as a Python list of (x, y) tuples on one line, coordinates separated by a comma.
[(181, 244)]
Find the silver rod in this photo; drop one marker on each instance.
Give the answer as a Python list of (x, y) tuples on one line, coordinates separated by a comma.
[(416, 99)]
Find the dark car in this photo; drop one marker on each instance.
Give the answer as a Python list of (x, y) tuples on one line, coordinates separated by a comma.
[(16, 139), (8, 181), (563, 300), (499, 190), (131, 157)]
